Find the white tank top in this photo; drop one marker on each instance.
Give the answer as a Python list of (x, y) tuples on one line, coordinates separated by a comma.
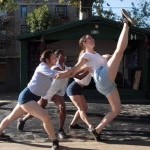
[(85, 81), (95, 60)]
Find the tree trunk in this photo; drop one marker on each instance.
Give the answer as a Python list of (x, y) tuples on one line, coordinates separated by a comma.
[(85, 9)]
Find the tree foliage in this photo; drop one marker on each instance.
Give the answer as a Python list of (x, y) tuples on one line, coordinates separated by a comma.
[(140, 9), (141, 13), (93, 7), (8, 5), (99, 10), (85, 7), (71, 2), (41, 19)]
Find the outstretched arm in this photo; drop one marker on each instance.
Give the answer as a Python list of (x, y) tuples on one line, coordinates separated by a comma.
[(73, 71), (83, 73)]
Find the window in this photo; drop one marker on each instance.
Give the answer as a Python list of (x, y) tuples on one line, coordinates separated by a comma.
[(61, 10), (24, 29), (23, 11)]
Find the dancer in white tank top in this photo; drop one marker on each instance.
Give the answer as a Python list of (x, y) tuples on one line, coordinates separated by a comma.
[(104, 72)]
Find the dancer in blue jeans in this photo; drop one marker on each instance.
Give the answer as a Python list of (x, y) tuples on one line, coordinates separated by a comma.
[(104, 72), (27, 100)]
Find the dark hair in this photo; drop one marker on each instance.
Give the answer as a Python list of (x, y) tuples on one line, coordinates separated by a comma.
[(46, 55), (58, 52)]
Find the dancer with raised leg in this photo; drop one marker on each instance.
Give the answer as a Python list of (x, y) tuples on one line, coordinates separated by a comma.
[(104, 72)]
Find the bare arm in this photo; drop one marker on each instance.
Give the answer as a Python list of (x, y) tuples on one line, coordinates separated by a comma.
[(107, 56), (73, 71), (83, 73)]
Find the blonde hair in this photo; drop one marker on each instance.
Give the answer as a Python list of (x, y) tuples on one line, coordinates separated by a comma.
[(81, 45), (82, 39)]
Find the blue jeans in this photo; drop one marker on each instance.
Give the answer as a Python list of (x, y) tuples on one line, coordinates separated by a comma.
[(102, 81), (26, 96)]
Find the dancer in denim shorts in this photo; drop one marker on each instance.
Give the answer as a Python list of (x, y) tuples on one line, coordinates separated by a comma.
[(104, 72), (55, 93), (27, 100), (75, 93)]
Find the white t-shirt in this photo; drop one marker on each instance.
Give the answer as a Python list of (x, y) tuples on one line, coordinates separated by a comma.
[(95, 60), (85, 81), (61, 84), (59, 66), (58, 86), (41, 79)]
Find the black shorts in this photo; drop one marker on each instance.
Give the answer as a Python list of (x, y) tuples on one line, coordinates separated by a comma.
[(26, 96), (74, 89)]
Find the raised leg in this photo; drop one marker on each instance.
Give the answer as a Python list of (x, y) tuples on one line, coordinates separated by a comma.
[(114, 61)]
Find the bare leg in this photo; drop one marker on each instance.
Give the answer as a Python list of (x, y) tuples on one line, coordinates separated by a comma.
[(75, 118), (15, 114), (59, 102), (113, 64), (114, 61), (81, 105), (114, 100), (37, 111), (42, 103)]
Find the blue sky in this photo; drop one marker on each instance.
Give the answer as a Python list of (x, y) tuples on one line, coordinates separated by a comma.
[(117, 5)]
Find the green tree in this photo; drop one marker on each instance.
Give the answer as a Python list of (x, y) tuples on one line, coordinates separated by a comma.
[(86, 8), (140, 10), (41, 19), (141, 13), (8, 5), (99, 10)]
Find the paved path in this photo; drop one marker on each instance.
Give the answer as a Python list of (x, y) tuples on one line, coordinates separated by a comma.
[(131, 130)]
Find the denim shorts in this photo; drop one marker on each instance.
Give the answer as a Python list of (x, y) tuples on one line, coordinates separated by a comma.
[(26, 96), (74, 89), (102, 81)]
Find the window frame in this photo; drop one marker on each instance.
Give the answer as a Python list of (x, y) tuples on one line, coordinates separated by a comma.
[(23, 12), (61, 10)]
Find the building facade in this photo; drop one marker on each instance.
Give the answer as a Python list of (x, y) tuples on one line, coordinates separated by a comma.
[(18, 58), (133, 76), (14, 24)]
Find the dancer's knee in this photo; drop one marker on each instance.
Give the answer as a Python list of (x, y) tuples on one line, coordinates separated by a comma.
[(82, 111), (62, 108), (45, 118), (117, 111)]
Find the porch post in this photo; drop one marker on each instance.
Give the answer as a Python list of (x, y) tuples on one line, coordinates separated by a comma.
[(23, 65)]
